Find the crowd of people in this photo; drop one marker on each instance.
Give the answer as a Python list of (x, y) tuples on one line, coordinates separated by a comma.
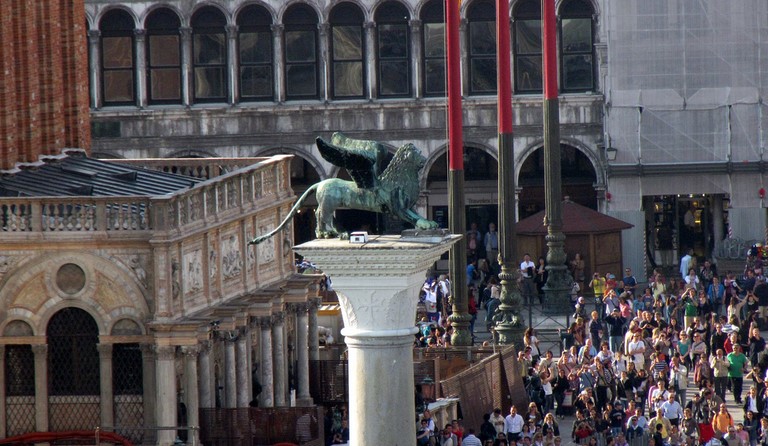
[(643, 365)]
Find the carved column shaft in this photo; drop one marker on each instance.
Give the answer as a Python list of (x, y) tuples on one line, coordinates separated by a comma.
[(166, 415), (370, 59), (105, 384), (187, 91), (149, 381), (416, 51), (233, 66), (230, 370), (140, 37), (205, 376), (278, 33), (280, 364), (193, 401), (302, 350), (313, 338), (243, 370), (267, 397), (41, 387), (94, 44), (323, 62)]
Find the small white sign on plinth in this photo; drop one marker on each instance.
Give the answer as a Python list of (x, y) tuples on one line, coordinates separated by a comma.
[(378, 286)]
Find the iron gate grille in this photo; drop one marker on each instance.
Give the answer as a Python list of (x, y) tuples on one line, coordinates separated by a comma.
[(19, 389), (73, 371), (128, 385)]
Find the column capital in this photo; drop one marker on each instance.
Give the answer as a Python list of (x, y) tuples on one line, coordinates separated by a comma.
[(314, 303), (165, 352), (94, 34), (277, 28), (105, 350), (204, 346), (40, 349), (369, 25), (147, 349), (265, 322), (185, 31), (139, 33), (323, 28), (190, 351), (278, 318), (463, 25), (231, 31), (415, 25)]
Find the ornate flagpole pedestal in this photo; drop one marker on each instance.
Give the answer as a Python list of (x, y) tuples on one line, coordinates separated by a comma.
[(378, 285)]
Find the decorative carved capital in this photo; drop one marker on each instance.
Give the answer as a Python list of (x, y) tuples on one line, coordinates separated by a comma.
[(190, 351), (165, 352), (265, 322), (231, 31), (147, 350), (94, 34), (277, 29), (204, 347), (139, 33), (369, 25), (415, 25), (186, 32), (278, 318), (323, 28)]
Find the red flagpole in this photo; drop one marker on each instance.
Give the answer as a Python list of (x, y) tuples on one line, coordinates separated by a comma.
[(453, 51)]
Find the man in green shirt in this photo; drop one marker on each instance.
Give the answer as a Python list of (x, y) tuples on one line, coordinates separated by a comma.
[(691, 310), (738, 362)]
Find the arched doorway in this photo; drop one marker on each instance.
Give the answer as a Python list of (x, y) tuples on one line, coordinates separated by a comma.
[(73, 371), (578, 180), (481, 174)]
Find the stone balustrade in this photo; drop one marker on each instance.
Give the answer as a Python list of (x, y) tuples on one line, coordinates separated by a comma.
[(252, 184)]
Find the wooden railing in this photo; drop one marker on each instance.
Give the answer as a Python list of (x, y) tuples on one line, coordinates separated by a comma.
[(254, 186)]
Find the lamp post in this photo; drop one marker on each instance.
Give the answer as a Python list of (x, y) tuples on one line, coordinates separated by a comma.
[(558, 282)]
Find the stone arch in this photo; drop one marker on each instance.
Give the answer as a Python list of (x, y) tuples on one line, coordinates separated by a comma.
[(97, 19), (110, 290), (407, 6), (205, 4), (595, 6), (289, 4), (266, 6), (327, 13), (193, 153), (182, 18), (127, 327), (575, 143), (443, 150), (17, 328), (299, 153)]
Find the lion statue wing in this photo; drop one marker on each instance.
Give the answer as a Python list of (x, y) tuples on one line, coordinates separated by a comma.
[(363, 159)]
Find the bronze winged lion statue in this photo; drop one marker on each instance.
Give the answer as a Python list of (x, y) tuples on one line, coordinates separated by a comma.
[(393, 190)]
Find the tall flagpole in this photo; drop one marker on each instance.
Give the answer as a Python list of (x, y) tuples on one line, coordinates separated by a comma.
[(557, 288), (509, 325), (456, 214)]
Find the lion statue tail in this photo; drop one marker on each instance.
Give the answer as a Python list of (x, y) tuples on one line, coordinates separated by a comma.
[(288, 217)]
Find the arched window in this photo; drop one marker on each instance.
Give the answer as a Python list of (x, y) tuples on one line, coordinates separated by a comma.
[(347, 51), (117, 58), (433, 43), (577, 46), (482, 47), (163, 57), (393, 50), (256, 60), (73, 369), (301, 61), (209, 55), (527, 46)]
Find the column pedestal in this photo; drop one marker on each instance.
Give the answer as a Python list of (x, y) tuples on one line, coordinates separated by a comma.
[(378, 284)]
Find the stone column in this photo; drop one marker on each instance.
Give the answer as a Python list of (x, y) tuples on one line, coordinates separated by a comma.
[(105, 384), (303, 397), (323, 62), (205, 376), (233, 67), (313, 338), (139, 44), (186, 65), (370, 59), (230, 369), (278, 33), (41, 387), (165, 416), (149, 381), (94, 43), (416, 50), (243, 369), (193, 402), (376, 284), (280, 366), (3, 418), (267, 397)]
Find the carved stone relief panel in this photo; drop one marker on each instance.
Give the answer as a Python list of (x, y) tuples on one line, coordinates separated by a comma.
[(193, 271), (231, 256)]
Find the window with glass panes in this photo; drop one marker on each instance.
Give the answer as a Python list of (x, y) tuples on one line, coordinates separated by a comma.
[(301, 62), (433, 44), (209, 55), (163, 57), (117, 58), (255, 52), (576, 47), (527, 47), (482, 47), (347, 51), (393, 50)]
